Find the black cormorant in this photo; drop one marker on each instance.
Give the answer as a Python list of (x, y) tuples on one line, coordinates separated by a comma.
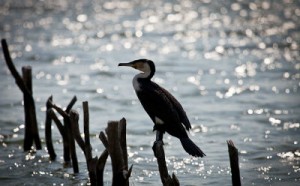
[(164, 110)]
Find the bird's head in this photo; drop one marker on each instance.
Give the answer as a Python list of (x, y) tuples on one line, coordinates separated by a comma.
[(144, 65)]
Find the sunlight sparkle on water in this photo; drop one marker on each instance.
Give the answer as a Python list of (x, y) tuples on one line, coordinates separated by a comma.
[(290, 156)]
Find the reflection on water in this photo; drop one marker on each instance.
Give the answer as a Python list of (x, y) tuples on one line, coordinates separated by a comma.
[(234, 66)]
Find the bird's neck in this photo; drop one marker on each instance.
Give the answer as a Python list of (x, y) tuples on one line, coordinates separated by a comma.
[(141, 79), (145, 75)]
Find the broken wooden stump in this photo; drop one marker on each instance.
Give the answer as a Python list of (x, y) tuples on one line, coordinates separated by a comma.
[(64, 129), (25, 84), (95, 165), (117, 150)]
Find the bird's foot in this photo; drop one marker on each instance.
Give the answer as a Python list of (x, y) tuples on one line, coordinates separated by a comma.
[(157, 142)]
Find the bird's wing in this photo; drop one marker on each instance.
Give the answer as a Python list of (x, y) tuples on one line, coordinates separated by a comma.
[(162, 104), (182, 114), (156, 104)]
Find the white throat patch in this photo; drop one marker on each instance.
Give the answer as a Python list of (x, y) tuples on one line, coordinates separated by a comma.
[(145, 73)]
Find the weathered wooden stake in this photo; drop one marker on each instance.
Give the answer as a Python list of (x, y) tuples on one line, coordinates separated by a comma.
[(74, 116), (234, 164), (90, 161), (166, 179), (48, 131), (50, 114), (25, 84)]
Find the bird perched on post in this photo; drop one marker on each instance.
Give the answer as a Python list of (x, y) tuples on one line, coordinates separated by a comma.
[(164, 110)]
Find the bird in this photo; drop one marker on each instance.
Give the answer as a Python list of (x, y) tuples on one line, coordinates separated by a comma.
[(164, 110)]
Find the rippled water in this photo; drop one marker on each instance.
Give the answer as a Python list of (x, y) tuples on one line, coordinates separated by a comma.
[(234, 66)]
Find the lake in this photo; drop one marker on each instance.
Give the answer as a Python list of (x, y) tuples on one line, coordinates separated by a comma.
[(233, 65)]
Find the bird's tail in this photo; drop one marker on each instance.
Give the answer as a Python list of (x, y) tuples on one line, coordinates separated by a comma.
[(191, 148)]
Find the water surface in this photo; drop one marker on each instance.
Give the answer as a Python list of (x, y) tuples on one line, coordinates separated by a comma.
[(234, 66)]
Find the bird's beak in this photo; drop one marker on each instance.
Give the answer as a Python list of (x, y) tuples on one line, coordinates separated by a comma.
[(124, 64), (127, 64)]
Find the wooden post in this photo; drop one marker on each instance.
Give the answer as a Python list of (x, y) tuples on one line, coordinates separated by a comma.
[(86, 129), (67, 127), (48, 131), (52, 116), (166, 179), (123, 140), (31, 129), (91, 162), (25, 84), (74, 116), (234, 164)]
